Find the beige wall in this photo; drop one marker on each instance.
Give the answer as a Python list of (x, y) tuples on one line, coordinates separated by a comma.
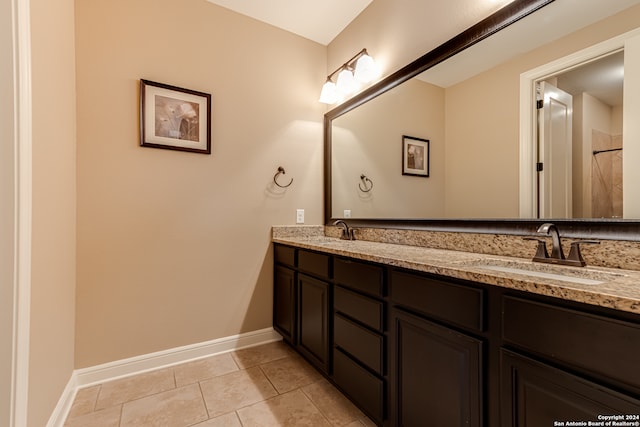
[(53, 273), (482, 148), (415, 109), (174, 247)]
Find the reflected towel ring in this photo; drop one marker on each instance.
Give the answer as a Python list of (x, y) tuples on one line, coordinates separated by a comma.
[(275, 178), (367, 187)]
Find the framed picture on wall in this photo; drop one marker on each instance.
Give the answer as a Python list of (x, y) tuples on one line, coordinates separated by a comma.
[(174, 118), (415, 156)]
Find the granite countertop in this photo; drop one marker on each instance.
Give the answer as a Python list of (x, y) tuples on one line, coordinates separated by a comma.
[(615, 288)]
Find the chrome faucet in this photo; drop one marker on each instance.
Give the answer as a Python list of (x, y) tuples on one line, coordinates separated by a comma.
[(557, 255), (347, 233)]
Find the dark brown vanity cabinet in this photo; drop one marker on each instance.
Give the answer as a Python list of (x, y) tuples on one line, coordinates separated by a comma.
[(359, 340), (302, 301), (437, 370), (418, 349)]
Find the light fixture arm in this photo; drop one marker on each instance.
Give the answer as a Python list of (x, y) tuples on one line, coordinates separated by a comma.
[(349, 64), (359, 69)]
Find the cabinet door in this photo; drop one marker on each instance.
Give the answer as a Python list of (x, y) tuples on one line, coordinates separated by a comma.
[(284, 303), (313, 325), (535, 394), (437, 374)]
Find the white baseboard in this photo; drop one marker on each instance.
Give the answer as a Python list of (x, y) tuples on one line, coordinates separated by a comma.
[(161, 359), (86, 377), (59, 415)]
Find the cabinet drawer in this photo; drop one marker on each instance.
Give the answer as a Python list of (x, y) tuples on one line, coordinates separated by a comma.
[(603, 346), (454, 303), (285, 255), (361, 308), (314, 263), (363, 387), (361, 343), (357, 275), (534, 394)]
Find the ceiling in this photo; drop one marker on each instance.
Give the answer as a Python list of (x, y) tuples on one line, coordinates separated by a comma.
[(602, 79), (317, 20)]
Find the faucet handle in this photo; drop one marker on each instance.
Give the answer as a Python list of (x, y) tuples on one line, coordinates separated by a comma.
[(575, 256), (541, 251)]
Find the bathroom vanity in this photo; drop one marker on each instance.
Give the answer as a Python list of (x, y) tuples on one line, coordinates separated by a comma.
[(417, 336), (436, 315)]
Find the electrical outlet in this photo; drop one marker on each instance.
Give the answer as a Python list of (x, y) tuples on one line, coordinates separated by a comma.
[(347, 213), (299, 216)]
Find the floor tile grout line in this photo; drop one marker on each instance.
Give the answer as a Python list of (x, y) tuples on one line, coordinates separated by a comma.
[(260, 401), (175, 381), (120, 417), (358, 419), (71, 415), (320, 411), (211, 377), (144, 397), (269, 380), (95, 400), (141, 397), (206, 407), (166, 391), (233, 357), (245, 406), (95, 405), (239, 419)]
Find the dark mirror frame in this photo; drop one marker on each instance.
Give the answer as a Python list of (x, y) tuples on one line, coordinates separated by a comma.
[(611, 229)]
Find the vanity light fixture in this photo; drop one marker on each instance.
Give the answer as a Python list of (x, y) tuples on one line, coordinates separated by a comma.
[(358, 70)]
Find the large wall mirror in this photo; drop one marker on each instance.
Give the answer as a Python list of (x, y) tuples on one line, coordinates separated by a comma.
[(528, 115)]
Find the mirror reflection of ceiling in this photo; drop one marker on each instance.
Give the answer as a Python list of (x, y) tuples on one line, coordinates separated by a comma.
[(558, 18), (482, 172), (603, 79)]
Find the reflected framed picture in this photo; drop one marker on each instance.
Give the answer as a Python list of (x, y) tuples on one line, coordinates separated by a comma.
[(415, 156), (174, 118)]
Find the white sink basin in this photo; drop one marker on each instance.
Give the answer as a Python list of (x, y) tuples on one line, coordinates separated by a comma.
[(542, 274), (580, 275)]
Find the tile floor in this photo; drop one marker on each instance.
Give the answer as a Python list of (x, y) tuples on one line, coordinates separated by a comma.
[(265, 386)]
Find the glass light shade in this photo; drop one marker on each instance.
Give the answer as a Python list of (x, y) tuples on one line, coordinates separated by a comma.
[(366, 69), (346, 84), (329, 94)]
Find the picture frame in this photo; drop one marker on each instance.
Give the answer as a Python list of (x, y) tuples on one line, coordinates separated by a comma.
[(415, 156), (174, 118)]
